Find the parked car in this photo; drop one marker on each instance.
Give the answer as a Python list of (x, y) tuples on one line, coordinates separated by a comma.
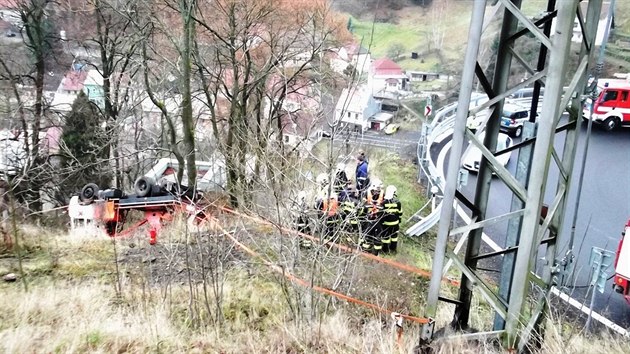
[(391, 128), (526, 92), (472, 157), (512, 119)]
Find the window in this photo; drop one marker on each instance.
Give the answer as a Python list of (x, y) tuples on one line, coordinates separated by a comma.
[(610, 96), (624, 96), (286, 138), (356, 116), (348, 114)]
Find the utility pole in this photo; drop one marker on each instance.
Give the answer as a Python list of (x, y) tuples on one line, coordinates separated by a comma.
[(528, 188)]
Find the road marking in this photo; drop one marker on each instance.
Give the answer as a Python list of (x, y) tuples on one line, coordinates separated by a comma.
[(585, 309), (460, 212), (495, 247)]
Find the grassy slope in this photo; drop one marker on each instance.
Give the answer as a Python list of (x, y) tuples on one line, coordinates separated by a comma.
[(83, 313), (413, 31)]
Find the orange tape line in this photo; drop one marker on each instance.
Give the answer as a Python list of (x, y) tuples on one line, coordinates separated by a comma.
[(304, 283), (389, 262)]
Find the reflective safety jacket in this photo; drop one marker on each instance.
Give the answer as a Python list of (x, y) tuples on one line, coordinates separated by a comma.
[(330, 206), (373, 203), (350, 210), (392, 212)]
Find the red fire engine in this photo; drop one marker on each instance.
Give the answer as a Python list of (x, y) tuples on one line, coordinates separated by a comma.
[(612, 106)]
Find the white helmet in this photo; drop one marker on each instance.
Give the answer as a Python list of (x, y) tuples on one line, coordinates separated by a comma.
[(322, 179), (390, 192), (377, 184), (341, 166)]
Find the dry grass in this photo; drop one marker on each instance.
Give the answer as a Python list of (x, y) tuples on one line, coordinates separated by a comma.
[(77, 307), (67, 318)]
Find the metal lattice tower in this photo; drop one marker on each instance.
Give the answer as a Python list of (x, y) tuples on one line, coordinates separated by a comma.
[(530, 224)]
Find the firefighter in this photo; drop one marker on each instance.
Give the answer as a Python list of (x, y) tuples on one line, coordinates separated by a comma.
[(361, 174), (301, 219), (392, 213), (341, 178), (322, 185), (373, 211), (330, 216), (348, 203)]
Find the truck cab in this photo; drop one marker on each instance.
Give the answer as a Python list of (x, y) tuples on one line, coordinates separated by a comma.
[(622, 265), (612, 106)]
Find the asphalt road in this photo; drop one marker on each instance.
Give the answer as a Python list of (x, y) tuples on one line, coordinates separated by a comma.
[(603, 211)]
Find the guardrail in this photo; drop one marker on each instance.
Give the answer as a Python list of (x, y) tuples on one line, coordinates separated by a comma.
[(443, 121)]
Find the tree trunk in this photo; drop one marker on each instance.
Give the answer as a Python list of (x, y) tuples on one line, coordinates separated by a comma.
[(187, 9)]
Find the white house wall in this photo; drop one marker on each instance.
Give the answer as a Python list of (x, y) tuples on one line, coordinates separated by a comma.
[(362, 63)]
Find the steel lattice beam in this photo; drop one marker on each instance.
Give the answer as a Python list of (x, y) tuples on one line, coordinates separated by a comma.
[(528, 186)]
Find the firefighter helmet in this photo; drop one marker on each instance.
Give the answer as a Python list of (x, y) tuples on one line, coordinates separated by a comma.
[(377, 183), (390, 192)]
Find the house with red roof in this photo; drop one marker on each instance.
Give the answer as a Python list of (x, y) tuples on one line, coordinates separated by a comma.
[(386, 75), (71, 84)]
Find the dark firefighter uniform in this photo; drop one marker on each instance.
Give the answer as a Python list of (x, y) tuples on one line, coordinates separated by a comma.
[(350, 213), (390, 223), (373, 211)]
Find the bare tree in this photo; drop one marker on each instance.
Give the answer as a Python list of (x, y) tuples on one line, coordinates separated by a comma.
[(259, 52), (439, 10), (26, 64)]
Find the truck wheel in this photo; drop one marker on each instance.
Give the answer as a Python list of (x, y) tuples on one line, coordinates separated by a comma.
[(518, 132), (144, 186), (610, 123), (89, 192)]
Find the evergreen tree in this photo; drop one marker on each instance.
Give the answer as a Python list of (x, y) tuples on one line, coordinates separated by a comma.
[(85, 153)]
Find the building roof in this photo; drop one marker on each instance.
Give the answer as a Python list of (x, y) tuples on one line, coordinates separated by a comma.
[(355, 49), (74, 80), (353, 99), (381, 117), (386, 66), (8, 4)]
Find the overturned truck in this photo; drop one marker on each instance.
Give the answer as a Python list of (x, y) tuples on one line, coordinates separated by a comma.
[(158, 195)]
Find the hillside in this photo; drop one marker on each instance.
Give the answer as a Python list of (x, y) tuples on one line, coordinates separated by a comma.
[(438, 32)]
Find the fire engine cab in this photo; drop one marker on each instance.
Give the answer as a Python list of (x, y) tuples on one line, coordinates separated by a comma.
[(612, 106), (622, 265)]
